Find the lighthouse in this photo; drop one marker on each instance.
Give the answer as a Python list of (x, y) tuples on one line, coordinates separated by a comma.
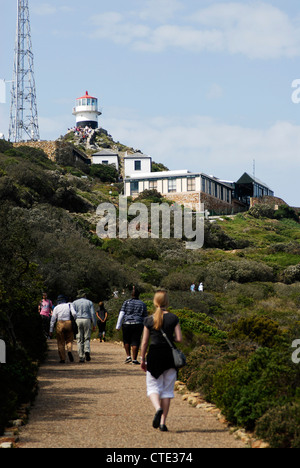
[(86, 111)]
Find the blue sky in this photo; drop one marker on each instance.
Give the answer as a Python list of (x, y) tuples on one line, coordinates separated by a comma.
[(197, 84)]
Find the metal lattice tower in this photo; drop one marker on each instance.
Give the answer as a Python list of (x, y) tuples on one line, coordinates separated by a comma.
[(23, 123)]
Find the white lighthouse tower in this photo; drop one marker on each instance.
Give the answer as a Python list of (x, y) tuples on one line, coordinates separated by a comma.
[(86, 111)]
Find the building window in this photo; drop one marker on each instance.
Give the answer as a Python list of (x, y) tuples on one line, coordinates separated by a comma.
[(105, 162), (216, 190), (152, 184), (172, 185), (203, 185), (191, 184), (134, 187), (137, 165), (209, 187)]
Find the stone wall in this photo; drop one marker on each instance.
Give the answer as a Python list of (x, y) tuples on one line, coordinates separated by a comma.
[(274, 202), (187, 199), (212, 204), (49, 147), (215, 205)]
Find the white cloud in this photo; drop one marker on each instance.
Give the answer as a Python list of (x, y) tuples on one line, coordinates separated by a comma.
[(45, 9), (215, 92), (206, 145), (112, 25), (200, 136), (257, 30), (160, 10)]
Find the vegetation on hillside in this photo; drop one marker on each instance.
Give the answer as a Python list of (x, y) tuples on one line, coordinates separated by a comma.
[(238, 333)]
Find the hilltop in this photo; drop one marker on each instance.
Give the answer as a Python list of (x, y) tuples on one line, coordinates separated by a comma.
[(237, 334)]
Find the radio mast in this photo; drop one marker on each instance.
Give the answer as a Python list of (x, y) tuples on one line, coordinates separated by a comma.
[(23, 123)]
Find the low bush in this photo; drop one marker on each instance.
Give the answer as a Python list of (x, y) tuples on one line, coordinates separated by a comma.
[(260, 330), (280, 426), (247, 388)]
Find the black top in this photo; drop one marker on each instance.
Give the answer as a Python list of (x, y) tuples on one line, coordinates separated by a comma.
[(160, 358), (101, 312)]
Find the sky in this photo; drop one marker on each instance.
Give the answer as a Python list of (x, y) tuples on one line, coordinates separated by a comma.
[(208, 86)]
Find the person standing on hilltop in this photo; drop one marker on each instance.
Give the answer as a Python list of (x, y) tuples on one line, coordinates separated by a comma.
[(131, 317)]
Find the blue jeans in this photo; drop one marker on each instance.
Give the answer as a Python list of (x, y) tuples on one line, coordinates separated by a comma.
[(84, 337)]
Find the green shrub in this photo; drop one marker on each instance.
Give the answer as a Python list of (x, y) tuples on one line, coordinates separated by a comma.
[(218, 274), (291, 274), (262, 211), (18, 379), (247, 388), (285, 211), (280, 426), (260, 330), (199, 323)]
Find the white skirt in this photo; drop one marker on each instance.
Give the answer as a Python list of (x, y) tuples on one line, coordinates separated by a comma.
[(164, 385)]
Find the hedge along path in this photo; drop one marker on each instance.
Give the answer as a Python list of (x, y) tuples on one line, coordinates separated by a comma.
[(103, 404)]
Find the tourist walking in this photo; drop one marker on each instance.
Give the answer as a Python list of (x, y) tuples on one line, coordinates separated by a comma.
[(131, 318), (159, 366), (85, 318), (45, 310), (101, 314), (61, 317)]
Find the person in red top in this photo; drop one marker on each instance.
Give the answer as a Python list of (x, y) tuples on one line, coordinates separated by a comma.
[(45, 311)]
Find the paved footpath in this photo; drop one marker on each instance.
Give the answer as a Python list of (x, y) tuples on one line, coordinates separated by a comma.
[(103, 404)]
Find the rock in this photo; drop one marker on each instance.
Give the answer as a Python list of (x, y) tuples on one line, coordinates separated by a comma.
[(18, 423), (6, 445), (259, 444)]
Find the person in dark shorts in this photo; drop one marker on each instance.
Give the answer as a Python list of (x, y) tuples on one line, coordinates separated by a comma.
[(131, 317)]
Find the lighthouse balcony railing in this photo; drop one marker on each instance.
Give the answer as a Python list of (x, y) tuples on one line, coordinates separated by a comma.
[(93, 108)]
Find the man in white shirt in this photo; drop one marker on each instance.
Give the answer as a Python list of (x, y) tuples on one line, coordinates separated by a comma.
[(62, 318)]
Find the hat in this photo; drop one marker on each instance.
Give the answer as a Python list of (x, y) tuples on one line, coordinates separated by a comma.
[(62, 299)]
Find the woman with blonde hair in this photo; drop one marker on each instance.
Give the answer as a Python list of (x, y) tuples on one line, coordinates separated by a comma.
[(160, 369)]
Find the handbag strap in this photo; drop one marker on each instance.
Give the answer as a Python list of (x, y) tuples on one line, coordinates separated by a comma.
[(167, 339)]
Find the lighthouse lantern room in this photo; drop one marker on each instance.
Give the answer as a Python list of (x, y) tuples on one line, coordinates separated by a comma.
[(86, 111)]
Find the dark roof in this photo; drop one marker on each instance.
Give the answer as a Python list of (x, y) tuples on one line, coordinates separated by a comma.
[(247, 179)]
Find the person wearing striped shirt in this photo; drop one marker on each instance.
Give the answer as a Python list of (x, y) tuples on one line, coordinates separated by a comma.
[(131, 318)]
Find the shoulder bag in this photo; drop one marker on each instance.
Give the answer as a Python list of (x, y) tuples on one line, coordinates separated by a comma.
[(74, 324), (178, 356)]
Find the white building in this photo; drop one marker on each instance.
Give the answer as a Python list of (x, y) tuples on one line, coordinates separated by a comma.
[(136, 163), (183, 187), (86, 111), (106, 157)]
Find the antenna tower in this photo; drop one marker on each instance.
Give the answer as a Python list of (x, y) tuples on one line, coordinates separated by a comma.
[(23, 111)]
